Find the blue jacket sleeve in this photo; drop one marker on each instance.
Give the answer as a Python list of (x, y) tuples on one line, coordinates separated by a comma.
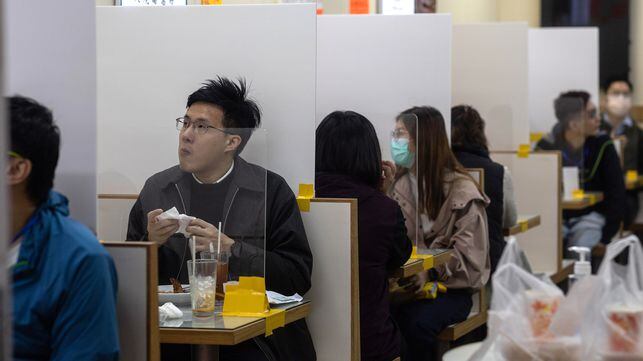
[(86, 326)]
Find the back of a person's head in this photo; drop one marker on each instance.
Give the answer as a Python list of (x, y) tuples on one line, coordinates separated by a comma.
[(570, 105), (346, 143), (467, 128), (240, 113), (35, 136), (617, 79)]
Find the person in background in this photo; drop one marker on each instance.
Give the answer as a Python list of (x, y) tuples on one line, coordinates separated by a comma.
[(452, 215), (618, 124), (64, 282), (470, 146), (348, 164), (215, 184), (575, 136)]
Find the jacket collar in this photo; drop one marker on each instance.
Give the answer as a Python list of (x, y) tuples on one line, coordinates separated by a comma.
[(471, 149), (35, 239), (244, 175)]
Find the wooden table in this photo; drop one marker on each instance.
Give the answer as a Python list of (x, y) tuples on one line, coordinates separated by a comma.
[(221, 330), (588, 200), (566, 270), (524, 224), (416, 265)]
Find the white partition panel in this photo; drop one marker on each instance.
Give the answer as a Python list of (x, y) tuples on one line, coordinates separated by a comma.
[(537, 184), (560, 59), (331, 227), (50, 55), (490, 74), (113, 217), (137, 304), (380, 65), (151, 58)]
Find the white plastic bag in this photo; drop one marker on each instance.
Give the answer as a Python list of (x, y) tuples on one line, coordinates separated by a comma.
[(613, 328), (523, 309)]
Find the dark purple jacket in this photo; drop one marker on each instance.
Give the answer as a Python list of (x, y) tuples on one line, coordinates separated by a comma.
[(383, 247)]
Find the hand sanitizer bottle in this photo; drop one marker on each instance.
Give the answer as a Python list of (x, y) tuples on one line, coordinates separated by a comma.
[(582, 267)]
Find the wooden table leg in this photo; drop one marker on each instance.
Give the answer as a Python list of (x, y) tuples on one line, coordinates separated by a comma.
[(205, 353)]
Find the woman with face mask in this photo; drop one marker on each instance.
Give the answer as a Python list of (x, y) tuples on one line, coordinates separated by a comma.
[(617, 123), (444, 208)]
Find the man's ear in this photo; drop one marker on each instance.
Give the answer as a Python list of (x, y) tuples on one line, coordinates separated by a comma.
[(233, 143), (18, 171)]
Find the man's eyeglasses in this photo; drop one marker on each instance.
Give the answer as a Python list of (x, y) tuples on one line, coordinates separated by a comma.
[(201, 127), (13, 154)]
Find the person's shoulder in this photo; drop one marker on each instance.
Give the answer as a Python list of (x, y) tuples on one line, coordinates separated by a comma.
[(465, 190), (77, 240), (546, 143), (162, 178), (599, 141)]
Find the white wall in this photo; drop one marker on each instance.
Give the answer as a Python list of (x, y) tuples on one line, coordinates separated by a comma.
[(560, 59), (51, 57), (490, 74), (381, 65), (145, 75)]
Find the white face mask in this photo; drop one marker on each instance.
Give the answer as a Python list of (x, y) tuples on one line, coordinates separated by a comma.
[(619, 105)]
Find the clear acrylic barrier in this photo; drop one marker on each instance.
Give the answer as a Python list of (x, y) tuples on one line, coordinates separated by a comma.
[(244, 212), (576, 121), (404, 152), (235, 213)]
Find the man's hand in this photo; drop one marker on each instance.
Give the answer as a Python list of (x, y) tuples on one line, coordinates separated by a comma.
[(205, 233), (159, 231)]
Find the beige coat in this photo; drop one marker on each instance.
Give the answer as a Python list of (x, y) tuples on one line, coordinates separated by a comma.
[(461, 225)]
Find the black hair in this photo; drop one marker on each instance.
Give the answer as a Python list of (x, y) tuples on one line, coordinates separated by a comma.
[(569, 105), (346, 143), (616, 78), (467, 128), (35, 136), (239, 112)]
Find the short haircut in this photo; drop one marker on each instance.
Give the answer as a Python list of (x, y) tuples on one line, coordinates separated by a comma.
[(467, 128), (239, 112), (570, 105), (617, 78), (346, 143), (35, 136)]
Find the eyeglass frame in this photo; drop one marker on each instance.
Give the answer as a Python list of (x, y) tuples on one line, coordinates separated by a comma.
[(13, 154), (182, 128)]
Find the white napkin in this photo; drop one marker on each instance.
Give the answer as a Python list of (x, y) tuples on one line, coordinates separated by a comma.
[(169, 311), (279, 299), (184, 220)]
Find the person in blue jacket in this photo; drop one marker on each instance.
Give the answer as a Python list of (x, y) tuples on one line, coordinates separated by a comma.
[(64, 282)]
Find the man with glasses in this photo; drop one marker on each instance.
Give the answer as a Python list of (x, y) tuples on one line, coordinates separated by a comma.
[(64, 282), (215, 184), (618, 124), (576, 137)]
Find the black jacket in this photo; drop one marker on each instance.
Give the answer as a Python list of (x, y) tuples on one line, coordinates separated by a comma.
[(256, 198), (493, 188), (601, 172), (632, 157), (383, 247)]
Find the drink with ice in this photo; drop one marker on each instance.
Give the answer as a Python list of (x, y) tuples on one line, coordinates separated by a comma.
[(203, 280)]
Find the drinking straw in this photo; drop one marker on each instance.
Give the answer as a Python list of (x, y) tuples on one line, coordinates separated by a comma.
[(193, 241), (219, 244)]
